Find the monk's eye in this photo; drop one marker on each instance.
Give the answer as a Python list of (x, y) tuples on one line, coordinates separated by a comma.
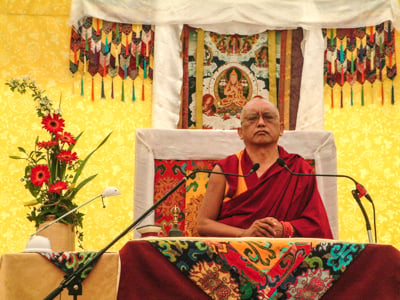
[(252, 118)]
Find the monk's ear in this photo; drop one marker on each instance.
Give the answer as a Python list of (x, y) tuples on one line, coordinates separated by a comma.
[(281, 129), (239, 131)]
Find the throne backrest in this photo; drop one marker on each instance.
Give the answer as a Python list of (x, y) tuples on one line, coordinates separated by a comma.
[(165, 156)]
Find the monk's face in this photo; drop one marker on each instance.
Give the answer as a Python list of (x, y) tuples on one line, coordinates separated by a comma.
[(260, 123)]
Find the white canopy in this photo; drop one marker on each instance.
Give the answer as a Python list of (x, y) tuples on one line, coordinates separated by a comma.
[(242, 17), (268, 14)]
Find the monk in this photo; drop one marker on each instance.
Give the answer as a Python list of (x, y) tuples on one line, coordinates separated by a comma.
[(270, 202)]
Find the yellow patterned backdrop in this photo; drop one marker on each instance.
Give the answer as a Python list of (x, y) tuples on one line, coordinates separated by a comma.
[(34, 41)]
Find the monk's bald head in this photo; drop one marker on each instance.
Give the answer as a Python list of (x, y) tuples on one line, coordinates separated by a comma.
[(256, 102)]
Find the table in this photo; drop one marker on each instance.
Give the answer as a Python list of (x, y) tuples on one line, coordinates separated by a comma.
[(257, 269), (30, 276), (210, 268)]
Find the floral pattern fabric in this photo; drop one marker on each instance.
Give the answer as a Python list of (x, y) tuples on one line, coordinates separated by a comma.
[(259, 269), (69, 262)]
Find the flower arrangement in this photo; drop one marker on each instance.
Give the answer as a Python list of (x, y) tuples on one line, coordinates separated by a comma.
[(53, 168)]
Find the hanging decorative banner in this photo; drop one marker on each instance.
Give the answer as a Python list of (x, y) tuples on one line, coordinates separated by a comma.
[(223, 72), (110, 50), (363, 55)]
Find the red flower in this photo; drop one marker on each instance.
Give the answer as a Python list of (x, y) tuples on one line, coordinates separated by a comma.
[(58, 187), (39, 175), (47, 145), (66, 137), (67, 156), (53, 124)]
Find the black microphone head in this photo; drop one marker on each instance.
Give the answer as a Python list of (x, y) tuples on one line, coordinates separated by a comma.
[(255, 167), (281, 162)]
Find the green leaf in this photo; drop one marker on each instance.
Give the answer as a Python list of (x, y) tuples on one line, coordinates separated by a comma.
[(34, 190), (81, 185), (76, 138), (21, 149), (16, 157), (80, 168)]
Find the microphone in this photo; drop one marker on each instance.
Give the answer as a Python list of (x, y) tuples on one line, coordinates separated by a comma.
[(358, 193), (361, 189), (34, 241), (73, 281)]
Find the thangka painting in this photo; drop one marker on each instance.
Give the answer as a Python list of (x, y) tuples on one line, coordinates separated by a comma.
[(360, 55), (112, 50), (223, 72)]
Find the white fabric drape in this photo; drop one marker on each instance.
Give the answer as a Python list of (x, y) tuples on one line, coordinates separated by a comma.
[(241, 17), (271, 14)]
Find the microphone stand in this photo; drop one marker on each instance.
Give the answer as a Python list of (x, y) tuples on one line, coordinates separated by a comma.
[(73, 281), (359, 192), (355, 194)]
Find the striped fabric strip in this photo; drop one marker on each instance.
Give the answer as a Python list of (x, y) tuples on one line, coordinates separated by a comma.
[(183, 122), (282, 74), (288, 78), (199, 78), (297, 60), (272, 67)]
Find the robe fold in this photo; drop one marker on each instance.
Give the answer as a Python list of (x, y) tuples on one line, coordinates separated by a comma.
[(277, 193)]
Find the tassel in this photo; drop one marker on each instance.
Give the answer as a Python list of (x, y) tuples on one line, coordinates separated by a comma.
[(392, 100), (127, 47), (341, 97), (92, 89), (117, 32), (123, 92), (106, 49), (86, 43), (371, 35), (332, 98), (73, 85), (103, 95), (362, 95), (137, 58), (142, 90), (341, 52), (372, 94), (75, 55), (133, 91), (98, 27), (351, 96), (84, 64), (82, 90), (112, 88), (145, 68)]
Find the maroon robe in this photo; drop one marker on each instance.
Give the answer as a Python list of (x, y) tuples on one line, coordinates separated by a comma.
[(278, 194)]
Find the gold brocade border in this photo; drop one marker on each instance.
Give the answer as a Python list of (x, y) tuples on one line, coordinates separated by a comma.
[(288, 78), (199, 78), (272, 67)]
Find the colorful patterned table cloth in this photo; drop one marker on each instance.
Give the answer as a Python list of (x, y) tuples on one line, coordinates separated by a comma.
[(257, 269), (69, 262)]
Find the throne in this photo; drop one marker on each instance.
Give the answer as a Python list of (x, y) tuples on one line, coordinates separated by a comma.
[(165, 156)]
